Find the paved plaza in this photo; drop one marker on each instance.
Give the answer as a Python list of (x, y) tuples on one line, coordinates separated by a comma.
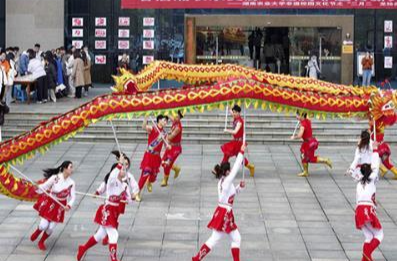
[(280, 216)]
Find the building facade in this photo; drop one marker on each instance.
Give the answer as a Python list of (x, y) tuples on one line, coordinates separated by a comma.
[(276, 40)]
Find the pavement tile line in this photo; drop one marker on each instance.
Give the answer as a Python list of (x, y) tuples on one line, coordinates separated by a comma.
[(261, 214), (290, 205)]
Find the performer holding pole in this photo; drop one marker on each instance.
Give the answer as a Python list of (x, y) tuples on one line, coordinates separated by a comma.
[(232, 148), (309, 144), (108, 214), (363, 155), (59, 197), (174, 140), (366, 218), (222, 222), (151, 161)]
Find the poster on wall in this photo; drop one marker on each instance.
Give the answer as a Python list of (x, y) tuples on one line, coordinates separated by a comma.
[(124, 45), (77, 32), (100, 21), (148, 33), (77, 22), (78, 44), (388, 62), (388, 42), (124, 33), (124, 21), (146, 59), (259, 4), (100, 59), (148, 45), (148, 21), (100, 45), (100, 33), (388, 26)]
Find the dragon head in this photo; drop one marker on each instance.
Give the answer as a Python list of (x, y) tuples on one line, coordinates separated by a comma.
[(125, 83), (382, 107)]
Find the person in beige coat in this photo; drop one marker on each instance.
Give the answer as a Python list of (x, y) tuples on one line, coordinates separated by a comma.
[(87, 73), (78, 73)]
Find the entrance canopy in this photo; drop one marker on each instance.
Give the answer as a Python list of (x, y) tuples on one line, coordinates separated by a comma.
[(255, 4)]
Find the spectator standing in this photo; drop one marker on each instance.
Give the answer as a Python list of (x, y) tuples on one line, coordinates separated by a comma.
[(37, 51), (36, 68), (24, 62), (69, 67), (78, 73), (367, 63), (87, 73), (51, 74)]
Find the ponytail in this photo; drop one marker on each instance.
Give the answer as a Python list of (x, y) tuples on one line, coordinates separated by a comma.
[(366, 171), (107, 175), (364, 141), (50, 172), (220, 170)]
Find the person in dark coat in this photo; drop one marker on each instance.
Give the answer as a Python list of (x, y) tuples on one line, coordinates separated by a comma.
[(52, 75)]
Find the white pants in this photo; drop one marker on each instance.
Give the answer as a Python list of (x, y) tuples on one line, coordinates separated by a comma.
[(52, 95), (370, 233), (47, 226), (216, 236), (110, 231), (8, 95)]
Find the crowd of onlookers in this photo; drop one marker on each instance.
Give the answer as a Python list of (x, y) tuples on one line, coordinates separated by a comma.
[(55, 73)]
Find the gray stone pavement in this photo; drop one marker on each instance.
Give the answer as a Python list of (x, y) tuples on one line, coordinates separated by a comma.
[(280, 216)]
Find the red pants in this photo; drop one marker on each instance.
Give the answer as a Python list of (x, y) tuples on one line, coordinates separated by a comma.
[(308, 148), (169, 158), (384, 154), (150, 166), (232, 149)]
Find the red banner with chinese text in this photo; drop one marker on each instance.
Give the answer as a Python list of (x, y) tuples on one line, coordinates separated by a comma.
[(259, 4)]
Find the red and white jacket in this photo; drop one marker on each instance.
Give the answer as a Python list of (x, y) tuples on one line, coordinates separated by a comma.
[(365, 193), (226, 188), (60, 188)]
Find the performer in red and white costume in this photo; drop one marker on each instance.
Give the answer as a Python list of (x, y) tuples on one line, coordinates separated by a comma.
[(366, 218), (232, 148), (117, 193), (170, 155), (309, 145), (151, 161), (61, 187), (222, 222), (362, 155)]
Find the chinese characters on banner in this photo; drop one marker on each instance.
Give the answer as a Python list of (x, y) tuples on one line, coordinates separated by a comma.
[(78, 44), (148, 33), (388, 62), (124, 33), (388, 26), (100, 33), (77, 22), (100, 45), (255, 4), (100, 59), (100, 21), (146, 59), (124, 21), (77, 33), (124, 44), (388, 42)]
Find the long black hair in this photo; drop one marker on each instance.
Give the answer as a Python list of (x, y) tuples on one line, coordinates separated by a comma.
[(50, 172), (117, 154), (364, 141), (301, 114), (220, 170), (107, 175), (366, 171)]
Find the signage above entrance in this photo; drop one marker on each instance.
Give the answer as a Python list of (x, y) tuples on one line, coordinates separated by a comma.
[(255, 4)]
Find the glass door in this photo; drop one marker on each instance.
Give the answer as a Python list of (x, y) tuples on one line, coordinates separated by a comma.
[(316, 52)]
